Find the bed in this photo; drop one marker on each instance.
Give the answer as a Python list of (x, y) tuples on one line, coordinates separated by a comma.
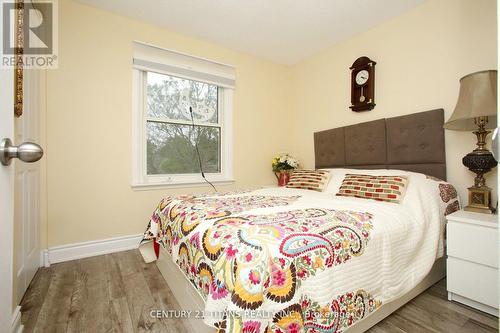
[(295, 260)]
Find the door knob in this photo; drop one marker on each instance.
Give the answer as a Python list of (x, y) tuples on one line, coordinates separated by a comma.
[(28, 152)]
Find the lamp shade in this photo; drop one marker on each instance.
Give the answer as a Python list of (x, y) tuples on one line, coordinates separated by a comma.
[(477, 98)]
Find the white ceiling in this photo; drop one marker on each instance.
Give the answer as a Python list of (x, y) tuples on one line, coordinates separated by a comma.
[(284, 31)]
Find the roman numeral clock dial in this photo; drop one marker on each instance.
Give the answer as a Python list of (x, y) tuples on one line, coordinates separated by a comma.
[(363, 84)]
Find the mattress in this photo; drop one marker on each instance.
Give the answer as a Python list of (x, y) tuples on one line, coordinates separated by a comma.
[(285, 260)]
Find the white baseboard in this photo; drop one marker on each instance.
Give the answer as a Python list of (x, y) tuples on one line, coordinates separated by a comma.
[(44, 258), (16, 326), (68, 252)]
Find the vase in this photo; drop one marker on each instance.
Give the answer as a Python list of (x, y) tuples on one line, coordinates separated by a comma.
[(283, 178)]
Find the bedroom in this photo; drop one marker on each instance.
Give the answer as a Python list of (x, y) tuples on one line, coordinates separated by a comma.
[(280, 72)]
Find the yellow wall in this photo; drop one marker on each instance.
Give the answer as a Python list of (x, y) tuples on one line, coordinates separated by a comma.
[(420, 55), (89, 123)]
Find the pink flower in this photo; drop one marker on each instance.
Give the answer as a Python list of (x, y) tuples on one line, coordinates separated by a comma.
[(282, 262), (251, 326), (254, 277), (301, 274), (278, 277), (294, 328), (248, 257), (230, 252), (218, 289)]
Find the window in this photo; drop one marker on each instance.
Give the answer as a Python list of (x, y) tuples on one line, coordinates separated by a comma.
[(167, 135), (171, 136)]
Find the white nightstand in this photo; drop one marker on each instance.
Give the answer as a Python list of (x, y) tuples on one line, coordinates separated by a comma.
[(472, 264)]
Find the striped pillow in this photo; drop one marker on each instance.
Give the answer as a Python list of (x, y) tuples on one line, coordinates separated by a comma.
[(381, 188), (315, 180)]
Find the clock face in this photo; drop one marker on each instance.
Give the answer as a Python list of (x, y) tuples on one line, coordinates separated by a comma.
[(362, 77)]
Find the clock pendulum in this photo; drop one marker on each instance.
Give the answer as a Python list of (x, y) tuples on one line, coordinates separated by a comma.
[(362, 97)]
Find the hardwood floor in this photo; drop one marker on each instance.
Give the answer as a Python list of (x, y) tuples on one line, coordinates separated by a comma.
[(116, 292)]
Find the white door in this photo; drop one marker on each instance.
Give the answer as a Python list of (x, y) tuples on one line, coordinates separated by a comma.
[(6, 202), (27, 187), (19, 187), (20, 191)]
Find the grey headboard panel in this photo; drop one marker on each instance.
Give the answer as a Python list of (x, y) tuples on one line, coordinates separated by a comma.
[(413, 142)]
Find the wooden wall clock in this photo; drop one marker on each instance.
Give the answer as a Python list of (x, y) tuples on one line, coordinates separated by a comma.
[(362, 84)]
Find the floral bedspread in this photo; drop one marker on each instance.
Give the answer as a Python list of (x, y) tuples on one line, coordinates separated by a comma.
[(283, 260)]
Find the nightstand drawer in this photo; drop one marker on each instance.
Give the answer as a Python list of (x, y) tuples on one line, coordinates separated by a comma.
[(473, 281), (473, 243)]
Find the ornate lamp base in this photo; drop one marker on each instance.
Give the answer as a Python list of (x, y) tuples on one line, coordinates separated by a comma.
[(480, 161), (479, 200)]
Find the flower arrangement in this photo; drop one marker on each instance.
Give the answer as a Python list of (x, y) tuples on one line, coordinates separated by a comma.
[(284, 162)]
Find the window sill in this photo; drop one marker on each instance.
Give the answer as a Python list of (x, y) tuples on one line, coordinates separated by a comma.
[(179, 184)]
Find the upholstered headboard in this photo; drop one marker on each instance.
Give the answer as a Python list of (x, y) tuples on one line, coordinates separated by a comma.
[(414, 143)]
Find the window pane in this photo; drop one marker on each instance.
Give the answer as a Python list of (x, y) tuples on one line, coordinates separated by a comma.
[(170, 97), (171, 148)]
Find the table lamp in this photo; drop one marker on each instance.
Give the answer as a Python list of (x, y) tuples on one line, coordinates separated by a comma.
[(476, 111)]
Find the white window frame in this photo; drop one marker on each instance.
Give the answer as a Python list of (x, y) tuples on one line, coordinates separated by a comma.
[(140, 179)]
